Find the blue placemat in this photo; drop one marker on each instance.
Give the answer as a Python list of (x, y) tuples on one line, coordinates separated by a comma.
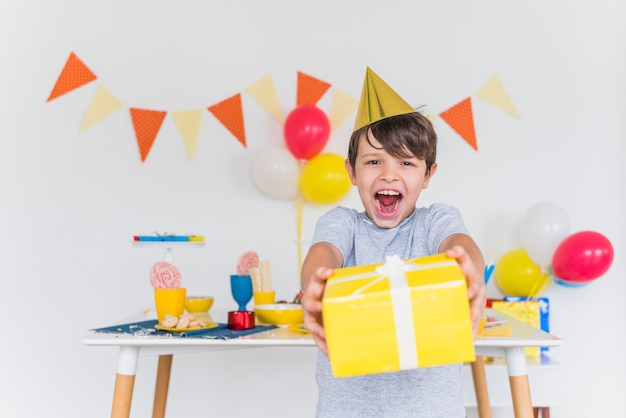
[(221, 332)]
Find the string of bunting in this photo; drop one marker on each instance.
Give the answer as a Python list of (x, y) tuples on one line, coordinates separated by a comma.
[(229, 112)]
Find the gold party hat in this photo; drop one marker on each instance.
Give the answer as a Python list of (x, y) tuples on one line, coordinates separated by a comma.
[(378, 101)]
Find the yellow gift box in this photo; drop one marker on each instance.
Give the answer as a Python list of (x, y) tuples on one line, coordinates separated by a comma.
[(397, 315), (526, 311)]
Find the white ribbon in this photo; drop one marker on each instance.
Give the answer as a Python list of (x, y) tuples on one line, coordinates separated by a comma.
[(395, 269)]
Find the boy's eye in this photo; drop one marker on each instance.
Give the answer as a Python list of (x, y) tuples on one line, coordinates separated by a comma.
[(373, 162), (407, 163)]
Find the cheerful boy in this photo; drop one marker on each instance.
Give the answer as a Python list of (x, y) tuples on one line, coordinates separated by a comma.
[(391, 158)]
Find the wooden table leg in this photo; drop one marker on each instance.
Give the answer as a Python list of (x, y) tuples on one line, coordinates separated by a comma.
[(518, 380), (124, 381), (162, 385), (480, 388), (123, 395)]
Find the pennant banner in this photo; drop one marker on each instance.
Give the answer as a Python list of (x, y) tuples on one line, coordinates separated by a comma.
[(188, 124), (75, 74), (461, 119), (264, 93), (147, 124), (102, 105), (230, 113), (309, 90)]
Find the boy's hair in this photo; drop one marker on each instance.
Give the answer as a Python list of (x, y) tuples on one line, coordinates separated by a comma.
[(402, 136)]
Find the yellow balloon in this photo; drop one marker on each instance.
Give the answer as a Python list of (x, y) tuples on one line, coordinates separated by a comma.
[(324, 179), (517, 275)]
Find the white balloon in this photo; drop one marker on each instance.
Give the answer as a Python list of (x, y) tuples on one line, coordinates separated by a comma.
[(543, 227), (275, 172)]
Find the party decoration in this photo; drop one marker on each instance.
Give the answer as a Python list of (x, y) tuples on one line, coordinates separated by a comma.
[(582, 257), (188, 125), (309, 89), (102, 105), (264, 93), (324, 179), (147, 124), (494, 93), (378, 101), (275, 172), (542, 228), (230, 113), (75, 74), (517, 275), (461, 119), (306, 131), (342, 106)]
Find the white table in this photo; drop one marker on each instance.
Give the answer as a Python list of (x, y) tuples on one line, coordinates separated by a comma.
[(131, 347)]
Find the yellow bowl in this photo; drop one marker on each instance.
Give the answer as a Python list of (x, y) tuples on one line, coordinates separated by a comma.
[(196, 304), (279, 313)]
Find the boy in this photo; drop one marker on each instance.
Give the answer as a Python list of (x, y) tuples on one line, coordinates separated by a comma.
[(391, 158)]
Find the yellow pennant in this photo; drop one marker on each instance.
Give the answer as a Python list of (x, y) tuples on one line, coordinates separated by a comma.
[(102, 105), (494, 93), (342, 105), (188, 124), (264, 93)]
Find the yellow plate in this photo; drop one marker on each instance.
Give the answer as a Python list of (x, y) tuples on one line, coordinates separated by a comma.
[(209, 326), (299, 328)]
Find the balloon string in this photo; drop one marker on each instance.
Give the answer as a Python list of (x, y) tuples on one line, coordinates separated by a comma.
[(537, 286), (299, 207)]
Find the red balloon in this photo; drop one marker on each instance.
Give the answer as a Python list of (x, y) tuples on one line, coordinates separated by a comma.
[(306, 131), (582, 257)]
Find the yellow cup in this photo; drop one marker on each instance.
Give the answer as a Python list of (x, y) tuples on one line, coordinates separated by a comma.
[(264, 298), (169, 301)]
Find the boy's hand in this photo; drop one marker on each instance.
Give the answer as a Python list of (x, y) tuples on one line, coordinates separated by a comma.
[(476, 289), (312, 306)]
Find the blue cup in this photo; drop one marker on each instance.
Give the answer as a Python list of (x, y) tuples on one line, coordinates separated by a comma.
[(241, 289)]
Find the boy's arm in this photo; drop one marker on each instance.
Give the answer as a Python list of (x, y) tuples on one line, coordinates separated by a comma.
[(470, 259), (318, 265)]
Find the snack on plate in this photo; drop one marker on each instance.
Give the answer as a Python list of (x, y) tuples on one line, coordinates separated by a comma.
[(248, 260), (182, 322), (169, 321), (164, 275)]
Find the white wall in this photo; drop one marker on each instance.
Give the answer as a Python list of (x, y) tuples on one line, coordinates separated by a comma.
[(71, 202)]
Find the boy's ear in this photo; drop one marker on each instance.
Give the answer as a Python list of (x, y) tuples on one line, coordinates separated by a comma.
[(350, 172), (431, 172)]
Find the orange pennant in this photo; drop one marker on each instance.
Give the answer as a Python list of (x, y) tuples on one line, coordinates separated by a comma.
[(75, 74), (310, 90), (230, 113), (461, 119), (147, 124)]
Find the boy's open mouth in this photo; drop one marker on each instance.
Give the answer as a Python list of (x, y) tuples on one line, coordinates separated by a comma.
[(387, 200)]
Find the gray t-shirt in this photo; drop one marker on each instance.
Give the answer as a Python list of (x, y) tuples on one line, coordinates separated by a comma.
[(429, 392)]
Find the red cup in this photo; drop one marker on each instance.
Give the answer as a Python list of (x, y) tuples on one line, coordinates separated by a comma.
[(240, 320)]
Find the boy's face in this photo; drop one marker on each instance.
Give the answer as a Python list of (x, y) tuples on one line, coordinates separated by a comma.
[(388, 187)]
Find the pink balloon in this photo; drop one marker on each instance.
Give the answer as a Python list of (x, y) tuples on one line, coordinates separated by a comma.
[(306, 131), (582, 257)]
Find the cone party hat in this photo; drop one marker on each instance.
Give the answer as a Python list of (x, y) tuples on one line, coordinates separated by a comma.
[(378, 101)]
